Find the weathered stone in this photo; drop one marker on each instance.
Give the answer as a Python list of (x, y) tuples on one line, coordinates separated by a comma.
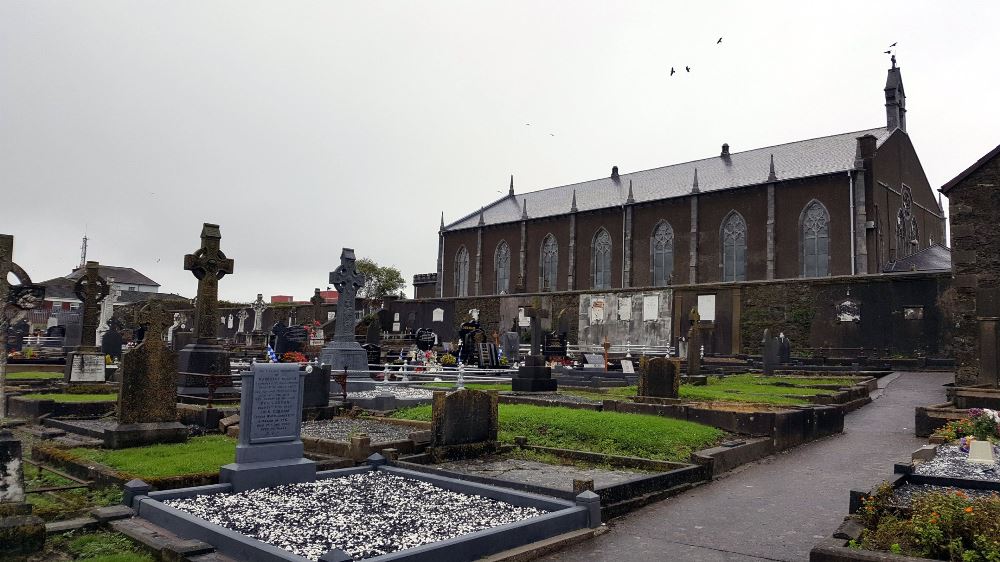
[(21, 534), (344, 352), (11, 469), (694, 351), (464, 417), (660, 379), (771, 352)]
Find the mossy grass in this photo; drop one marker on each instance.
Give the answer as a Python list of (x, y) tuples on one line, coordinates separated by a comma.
[(64, 504), (97, 547), (199, 455), (611, 433), (473, 386), (72, 398), (33, 375), (780, 391)]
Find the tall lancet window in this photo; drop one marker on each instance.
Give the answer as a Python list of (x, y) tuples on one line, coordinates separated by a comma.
[(734, 247), (462, 272), (501, 264), (661, 247), (907, 236), (600, 260), (815, 240), (549, 264)]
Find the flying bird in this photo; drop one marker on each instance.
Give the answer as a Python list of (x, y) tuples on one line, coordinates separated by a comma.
[(552, 134), (672, 71), (527, 124), (687, 68), (887, 52), (719, 41), (893, 45)]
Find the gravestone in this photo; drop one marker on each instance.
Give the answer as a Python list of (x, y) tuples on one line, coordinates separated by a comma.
[(107, 310), (147, 399), (55, 332), (289, 338), (534, 375), (374, 353), (180, 321), (85, 364), (784, 349), (17, 333), (487, 356), (111, 342), (344, 352), (205, 356), (464, 423), (374, 334), (21, 533), (257, 336), (426, 339), (770, 352), (510, 343), (316, 387), (694, 351), (14, 300), (660, 379), (242, 316), (270, 451), (277, 334)]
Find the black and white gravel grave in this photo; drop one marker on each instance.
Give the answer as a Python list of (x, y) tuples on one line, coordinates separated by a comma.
[(400, 392), (951, 462), (341, 429), (365, 515), (903, 495)]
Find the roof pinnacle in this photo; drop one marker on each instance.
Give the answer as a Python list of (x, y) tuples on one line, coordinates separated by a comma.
[(771, 176), (524, 210), (572, 207), (481, 221), (694, 186), (631, 198), (511, 192)]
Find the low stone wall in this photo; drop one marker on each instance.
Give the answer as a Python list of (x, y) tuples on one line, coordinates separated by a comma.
[(20, 407), (104, 475), (722, 459)]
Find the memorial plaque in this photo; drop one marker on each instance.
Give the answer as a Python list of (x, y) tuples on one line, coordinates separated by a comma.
[(597, 311), (87, 368), (276, 403), (437, 315), (651, 308), (625, 308), (706, 307), (594, 359), (628, 367)]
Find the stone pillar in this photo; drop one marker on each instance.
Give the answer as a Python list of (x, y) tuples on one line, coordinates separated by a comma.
[(989, 350), (860, 228), (439, 288), (571, 278), (627, 249), (693, 256), (521, 280), (479, 261), (770, 231)]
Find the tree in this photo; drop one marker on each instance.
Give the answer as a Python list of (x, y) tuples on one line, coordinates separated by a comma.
[(380, 282)]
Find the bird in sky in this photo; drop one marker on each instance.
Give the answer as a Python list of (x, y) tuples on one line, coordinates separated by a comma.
[(719, 41), (687, 68), (527, 124), (893, 45), (552, 134), (887, 52), (672, 71)]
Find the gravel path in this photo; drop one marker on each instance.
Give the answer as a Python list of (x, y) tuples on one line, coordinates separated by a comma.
[(365, 515), (341, 429), (523, 471)]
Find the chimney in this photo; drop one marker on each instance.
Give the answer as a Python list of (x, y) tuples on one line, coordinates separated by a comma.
[(865, 150), (725, 150), (614, 174)]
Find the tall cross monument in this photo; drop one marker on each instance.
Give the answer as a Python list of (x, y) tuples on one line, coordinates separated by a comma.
[(14, 300), (344, 352), (85, 364)]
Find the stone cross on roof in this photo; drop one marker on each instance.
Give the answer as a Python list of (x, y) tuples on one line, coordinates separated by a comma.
[(208, 264), (91, 289), (347, 280), (258, 307)]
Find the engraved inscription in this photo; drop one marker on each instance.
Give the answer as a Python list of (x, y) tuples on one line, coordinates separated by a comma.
[(275, 404)]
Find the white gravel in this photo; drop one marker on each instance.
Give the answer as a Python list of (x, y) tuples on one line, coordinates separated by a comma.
[(951, 462), (400, 392), (365, 515), (341, 429)]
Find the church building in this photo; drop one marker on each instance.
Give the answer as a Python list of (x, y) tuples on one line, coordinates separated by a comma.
[(844, 204)]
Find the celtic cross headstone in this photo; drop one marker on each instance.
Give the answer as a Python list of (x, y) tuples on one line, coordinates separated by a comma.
[(242, 315), (258, 307), (344, 352), (13, 302), (534, 375), (205, 357), (317, 301), (85, 364)]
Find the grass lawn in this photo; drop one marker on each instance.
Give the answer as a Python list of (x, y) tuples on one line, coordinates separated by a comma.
[(59, 397), (199, 455), (734, 388), (97, 547), (33, 375), (611, 433)]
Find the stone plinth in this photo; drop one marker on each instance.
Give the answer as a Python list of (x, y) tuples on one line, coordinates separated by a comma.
[(661, 379), (270, 452), (534, 376), (85, 365), (204, 359), (340, 355)]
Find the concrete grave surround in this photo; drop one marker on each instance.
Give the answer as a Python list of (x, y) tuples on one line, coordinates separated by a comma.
[(270, 451)]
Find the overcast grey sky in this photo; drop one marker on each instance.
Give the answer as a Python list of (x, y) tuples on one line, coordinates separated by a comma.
[(302, 127)]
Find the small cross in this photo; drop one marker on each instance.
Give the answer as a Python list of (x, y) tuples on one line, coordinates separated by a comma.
[(155, 318), (317, 301)]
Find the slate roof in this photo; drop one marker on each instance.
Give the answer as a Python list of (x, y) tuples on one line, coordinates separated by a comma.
[(129, 297), (800, 159), (932, 258), (59, 288), (970, 170), (122, 275)]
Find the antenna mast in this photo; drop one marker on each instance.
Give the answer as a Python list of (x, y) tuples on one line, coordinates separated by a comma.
[(83, 252)]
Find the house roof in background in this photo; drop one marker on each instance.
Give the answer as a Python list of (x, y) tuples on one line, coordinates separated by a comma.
[(800, 159), (121, 275), (59, 288)]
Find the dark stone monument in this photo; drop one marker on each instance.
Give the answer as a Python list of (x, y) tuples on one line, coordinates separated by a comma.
[(770, 350), (469, 335), (344, 352), (534, 375), (317, 302), (694, 345), (660, 380), (111, 343), (55, 332), (510, 343), (12, 300), (21, 533), (289, 338), (17, 333), (85, 364), (205, 356), (374, 334), (317, 386), (464, 423), (270, 452), (784, 349), (426, 339), (374, 353), (147, 399)]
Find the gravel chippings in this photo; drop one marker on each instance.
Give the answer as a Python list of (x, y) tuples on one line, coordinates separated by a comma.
[(341, 429), (903, 495), (400, 392), (365, 515), (951, 462)]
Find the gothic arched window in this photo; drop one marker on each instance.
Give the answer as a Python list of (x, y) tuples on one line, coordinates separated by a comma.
[(501, 264), (734, 247), (549, 264), (815, 240), (600, 260), (661, 248), (907, 237), (462, 272)]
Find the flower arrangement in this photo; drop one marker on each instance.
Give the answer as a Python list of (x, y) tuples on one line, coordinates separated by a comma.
[(293, 357), (448, 360), (983, 424)]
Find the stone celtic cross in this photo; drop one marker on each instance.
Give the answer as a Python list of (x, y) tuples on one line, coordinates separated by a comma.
[(242, 315), (156, 319), (208, 264), (317, 301), (347, 280), (258, 307), (91, 289)]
